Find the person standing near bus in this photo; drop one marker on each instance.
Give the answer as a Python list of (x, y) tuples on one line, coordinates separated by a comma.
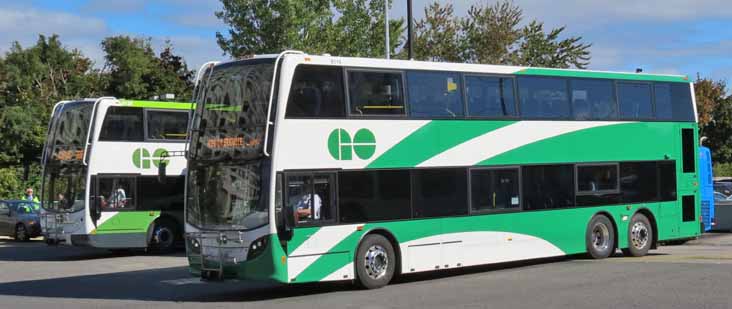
[(31, 198)]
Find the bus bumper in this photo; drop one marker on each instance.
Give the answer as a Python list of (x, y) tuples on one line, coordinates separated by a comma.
[(212, 259)]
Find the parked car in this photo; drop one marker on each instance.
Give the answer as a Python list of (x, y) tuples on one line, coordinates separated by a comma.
[(723, 187), (19, 219)]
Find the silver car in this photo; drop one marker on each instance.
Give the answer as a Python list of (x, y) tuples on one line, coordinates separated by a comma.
[(19, 219)]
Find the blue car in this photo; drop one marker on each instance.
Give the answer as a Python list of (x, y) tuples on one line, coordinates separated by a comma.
[(19, 219)]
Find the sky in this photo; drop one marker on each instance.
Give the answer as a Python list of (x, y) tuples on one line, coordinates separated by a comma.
[(661, 36)]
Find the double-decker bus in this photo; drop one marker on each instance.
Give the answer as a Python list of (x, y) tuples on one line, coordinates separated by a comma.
[(308, 168), (100, 177)]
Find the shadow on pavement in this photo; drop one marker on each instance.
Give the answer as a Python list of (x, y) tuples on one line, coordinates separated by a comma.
[(37, 250), (176, 284)]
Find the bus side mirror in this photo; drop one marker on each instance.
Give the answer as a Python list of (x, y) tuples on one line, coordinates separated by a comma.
[(289, 218), (161, 171)]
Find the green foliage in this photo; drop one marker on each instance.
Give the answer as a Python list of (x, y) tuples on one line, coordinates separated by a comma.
[(33, 79), (10, 186), (714, 110), (135, 72), (492, 35), (338, 27), (722, 169)]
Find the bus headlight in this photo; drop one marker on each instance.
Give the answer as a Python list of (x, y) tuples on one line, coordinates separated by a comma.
[(194, 245), (257, 247)]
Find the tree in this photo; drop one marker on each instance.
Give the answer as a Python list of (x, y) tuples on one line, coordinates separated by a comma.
[(338, 27), (437, 35), (133, 70), (714, 108), (32, 80), (492, 35), (709, 95)]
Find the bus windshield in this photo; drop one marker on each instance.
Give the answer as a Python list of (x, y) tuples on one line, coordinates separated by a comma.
[(225, 158), (64, 174)]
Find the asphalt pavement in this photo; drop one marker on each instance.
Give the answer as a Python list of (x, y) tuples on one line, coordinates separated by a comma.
[(697, 274)]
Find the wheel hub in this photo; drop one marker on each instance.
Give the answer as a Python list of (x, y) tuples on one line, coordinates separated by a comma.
[(639, 235), (376, 261), (163, 236), (600, 237)]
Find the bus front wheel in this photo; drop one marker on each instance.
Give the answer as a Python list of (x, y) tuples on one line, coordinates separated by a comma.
[(375, 262), (640, 236), (600, 237)]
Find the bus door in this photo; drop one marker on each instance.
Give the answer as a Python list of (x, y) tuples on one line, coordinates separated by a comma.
[(688, 186), (311, 198)]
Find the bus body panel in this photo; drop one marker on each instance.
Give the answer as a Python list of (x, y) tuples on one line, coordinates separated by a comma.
[(327, 252)]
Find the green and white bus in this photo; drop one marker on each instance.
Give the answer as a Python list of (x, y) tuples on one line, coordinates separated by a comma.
[(308, 168), (100, 177)]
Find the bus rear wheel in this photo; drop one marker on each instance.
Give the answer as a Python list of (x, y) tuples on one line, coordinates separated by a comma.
[(640, 236), (600, 237), (375, 262)]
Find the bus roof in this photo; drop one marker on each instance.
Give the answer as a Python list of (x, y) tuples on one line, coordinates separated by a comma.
[(480, 68), (157, 104)]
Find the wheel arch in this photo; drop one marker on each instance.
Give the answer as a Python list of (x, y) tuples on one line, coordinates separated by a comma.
[(391, 238), (647, 212)]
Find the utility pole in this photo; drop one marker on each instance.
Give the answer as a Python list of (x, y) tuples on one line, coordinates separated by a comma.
[(386, 27), (410, 34)]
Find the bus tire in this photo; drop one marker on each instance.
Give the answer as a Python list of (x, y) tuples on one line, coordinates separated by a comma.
[(164, 236), (600, 237), (640, 236), (375, 262)]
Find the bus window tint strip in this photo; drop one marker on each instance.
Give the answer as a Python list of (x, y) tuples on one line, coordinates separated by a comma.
[(435, 94), (317, 91), (490, 96), (376, 93), (548, 186), (367, 196), (494, 189), (440, 192)]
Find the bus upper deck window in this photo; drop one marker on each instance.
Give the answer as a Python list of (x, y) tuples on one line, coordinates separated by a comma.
[(376, 93)]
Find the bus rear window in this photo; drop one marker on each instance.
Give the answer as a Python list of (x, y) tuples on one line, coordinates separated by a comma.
[(673, 102)]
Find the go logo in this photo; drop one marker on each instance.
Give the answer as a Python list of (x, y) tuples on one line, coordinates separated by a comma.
[(342, 147), (141, 157)]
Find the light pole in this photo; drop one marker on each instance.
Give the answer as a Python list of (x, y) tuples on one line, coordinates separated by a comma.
[(386, 27), (410, 35)]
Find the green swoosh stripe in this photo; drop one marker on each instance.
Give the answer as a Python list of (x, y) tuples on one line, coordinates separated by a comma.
[(432, 139)]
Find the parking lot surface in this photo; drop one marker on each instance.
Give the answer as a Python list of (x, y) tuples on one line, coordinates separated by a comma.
[(697, 274)]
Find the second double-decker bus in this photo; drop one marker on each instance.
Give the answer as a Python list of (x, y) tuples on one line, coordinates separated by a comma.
[(308, 168), (100, 173)]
